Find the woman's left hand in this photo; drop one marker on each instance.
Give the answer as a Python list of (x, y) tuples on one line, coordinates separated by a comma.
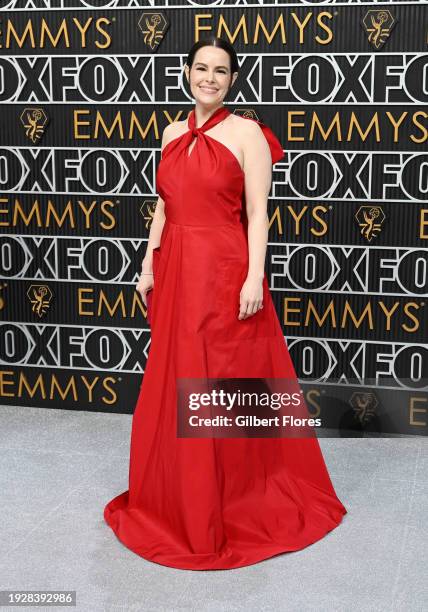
[(250, 298)]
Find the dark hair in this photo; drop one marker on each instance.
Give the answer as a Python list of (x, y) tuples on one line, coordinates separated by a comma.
[(214, 41)]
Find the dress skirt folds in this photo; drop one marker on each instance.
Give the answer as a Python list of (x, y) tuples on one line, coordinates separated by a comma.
[(213, 503)]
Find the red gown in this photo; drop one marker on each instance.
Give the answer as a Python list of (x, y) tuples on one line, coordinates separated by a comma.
[(213, 503)]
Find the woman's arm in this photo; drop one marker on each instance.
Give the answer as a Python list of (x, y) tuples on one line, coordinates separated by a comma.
[(258, 180), (155, 234), (158, 220)]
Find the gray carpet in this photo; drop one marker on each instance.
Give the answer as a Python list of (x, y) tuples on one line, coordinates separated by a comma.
[(59, 468)]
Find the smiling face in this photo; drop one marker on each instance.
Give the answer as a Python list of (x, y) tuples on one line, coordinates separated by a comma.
[(210, 77)]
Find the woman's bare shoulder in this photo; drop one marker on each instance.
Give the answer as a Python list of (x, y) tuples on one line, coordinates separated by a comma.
[(245, 127), (173, 130), (248, 134)]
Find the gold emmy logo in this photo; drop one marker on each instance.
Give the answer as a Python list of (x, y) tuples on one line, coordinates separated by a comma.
[(40, 296), (247, 113), (153, 26), (2, 301), (378, 25), (148, 210), (370, 219), (364, 405), (34, 120)]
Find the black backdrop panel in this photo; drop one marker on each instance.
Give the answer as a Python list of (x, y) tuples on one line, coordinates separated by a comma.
[(86, 91)]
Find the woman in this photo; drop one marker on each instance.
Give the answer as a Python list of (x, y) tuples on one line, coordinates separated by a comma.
[(215, 503)]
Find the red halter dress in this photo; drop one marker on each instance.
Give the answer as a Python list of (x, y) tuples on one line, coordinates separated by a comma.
[(213, 503)]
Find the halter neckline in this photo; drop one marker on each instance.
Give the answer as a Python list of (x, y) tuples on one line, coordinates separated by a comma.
[(218, 115)]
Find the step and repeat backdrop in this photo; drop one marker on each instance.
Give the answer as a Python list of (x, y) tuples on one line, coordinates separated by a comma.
[(86, 89)]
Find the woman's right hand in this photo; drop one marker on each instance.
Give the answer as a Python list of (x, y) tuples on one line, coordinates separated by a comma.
[(144, 285)]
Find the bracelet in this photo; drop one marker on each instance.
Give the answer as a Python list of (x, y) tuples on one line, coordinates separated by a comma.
[(148, 273)]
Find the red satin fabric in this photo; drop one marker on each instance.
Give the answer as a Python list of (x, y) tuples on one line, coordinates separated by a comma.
[(213, 503)]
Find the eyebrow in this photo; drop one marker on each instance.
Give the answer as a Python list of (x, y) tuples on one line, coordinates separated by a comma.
[(202, 64)]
